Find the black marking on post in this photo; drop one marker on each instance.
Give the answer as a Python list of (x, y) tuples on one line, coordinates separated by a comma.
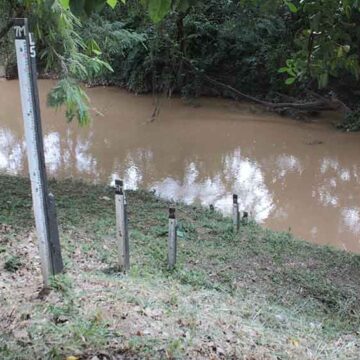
[(55, 248), (245, 218), (236, 214), (119, 184), (21, 28), (49, 203), (171, 213), (127, 242)]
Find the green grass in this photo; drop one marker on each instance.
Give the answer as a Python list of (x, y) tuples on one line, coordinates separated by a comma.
[(254, 295), (12, 263)]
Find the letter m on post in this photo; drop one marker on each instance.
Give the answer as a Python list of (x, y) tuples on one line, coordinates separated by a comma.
[(20, 31)]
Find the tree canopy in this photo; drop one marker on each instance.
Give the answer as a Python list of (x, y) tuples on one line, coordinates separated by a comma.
[(178, 45)]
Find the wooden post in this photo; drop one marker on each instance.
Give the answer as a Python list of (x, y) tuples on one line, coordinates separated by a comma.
[(172, 241), (236, 214), (122, 227)]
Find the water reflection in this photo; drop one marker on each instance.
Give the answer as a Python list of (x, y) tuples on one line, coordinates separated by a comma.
[(11, 152), (52, 152), (287, 163), (85, 162), (204, 155), (191, 189), (248, 182), (351, 219)]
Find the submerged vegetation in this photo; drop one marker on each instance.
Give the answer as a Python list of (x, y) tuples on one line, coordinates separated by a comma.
[(258, 294), (300, 55)]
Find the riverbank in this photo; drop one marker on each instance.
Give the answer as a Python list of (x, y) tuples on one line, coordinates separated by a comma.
[(256, 295)]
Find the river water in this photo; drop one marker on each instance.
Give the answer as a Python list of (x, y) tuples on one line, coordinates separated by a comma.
[(292, 176)]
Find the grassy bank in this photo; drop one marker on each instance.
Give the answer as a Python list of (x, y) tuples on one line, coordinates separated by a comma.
[(256, 295)]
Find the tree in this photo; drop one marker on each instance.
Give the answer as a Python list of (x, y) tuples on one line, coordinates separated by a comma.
[(56, 25), (60, 49), (324, 44), (327, 40)]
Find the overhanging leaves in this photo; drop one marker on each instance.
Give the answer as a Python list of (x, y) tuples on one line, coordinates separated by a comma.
[(158, 9), (65, 4), (112, 3)]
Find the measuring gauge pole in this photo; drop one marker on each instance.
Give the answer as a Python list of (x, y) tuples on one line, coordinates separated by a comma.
[(46, 232)]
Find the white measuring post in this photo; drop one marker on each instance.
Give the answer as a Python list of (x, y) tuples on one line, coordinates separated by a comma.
[(172, 240), (122, 235), (50, 254)]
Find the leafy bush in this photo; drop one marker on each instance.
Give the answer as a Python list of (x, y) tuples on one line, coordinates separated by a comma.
[(234, 42), (351, 121)]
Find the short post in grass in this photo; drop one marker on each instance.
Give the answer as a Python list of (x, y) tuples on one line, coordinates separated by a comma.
[(122, 236), (172, 241), (236, 214)]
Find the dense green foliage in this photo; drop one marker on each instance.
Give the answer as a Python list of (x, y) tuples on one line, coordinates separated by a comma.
[(327, 40), (60, 50), (235, 43), (260, 47)]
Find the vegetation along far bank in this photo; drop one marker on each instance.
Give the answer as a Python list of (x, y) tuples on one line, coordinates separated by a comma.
[(294, 57)]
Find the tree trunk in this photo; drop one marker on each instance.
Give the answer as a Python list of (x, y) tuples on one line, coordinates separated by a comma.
[(180, 38)]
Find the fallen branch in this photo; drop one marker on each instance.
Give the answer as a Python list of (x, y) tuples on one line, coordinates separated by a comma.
[(286, 97), (321, 104)]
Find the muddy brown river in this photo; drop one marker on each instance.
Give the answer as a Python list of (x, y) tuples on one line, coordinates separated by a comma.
[(292, 176)]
